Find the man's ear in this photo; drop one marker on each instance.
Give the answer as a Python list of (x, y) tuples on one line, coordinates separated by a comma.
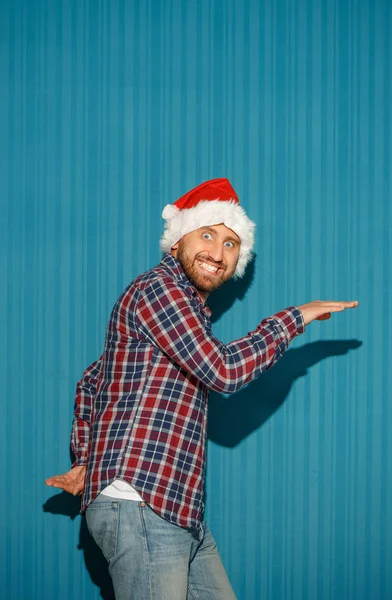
[(173, 250)]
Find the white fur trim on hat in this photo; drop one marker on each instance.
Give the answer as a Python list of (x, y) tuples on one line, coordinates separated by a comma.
[(210, 212)]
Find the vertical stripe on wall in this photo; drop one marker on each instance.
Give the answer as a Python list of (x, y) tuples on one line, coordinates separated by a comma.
[(110, 110)]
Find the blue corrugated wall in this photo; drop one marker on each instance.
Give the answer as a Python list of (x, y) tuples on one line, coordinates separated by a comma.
[(108, 111)]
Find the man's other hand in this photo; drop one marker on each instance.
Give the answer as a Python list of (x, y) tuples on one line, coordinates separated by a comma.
[(71, 482), (320, 310)]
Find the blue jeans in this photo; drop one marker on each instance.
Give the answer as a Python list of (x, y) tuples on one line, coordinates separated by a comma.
[(152, 559)]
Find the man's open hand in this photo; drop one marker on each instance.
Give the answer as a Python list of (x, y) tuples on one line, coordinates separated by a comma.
[(71, 482), (321, 310)]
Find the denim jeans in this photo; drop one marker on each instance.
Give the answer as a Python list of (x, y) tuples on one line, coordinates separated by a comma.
[(152, 559)]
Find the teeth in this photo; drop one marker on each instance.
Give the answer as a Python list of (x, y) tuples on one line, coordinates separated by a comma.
[(208, 267)]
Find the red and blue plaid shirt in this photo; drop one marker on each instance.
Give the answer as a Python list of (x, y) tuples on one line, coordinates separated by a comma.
[(140, 410)]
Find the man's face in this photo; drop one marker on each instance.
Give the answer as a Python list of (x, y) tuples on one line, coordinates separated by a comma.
[(209, 256)]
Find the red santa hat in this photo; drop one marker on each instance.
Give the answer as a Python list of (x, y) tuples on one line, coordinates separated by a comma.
[(210, 203)]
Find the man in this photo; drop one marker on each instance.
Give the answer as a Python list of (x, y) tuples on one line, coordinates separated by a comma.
[(139, 432)]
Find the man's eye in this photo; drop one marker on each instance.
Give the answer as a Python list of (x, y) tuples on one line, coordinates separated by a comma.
[(207, 236), (229, 244)]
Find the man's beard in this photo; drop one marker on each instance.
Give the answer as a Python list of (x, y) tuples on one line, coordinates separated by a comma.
[(203, 283)]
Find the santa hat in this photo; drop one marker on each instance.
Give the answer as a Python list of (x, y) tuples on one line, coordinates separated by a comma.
[(210, 203)]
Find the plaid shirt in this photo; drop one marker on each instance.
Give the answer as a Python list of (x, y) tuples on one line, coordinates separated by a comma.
[(141, 409)]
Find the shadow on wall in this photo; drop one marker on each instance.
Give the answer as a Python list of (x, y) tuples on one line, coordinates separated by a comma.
[(230, 420)]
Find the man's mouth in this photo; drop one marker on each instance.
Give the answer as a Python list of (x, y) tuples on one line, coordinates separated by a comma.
[(207, 267)]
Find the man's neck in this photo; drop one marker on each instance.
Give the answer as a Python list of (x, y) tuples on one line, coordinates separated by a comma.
[(203, 295)]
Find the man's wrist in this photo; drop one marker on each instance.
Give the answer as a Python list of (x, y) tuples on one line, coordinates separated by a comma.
[(299, 319), (291, 321), (78, 463)]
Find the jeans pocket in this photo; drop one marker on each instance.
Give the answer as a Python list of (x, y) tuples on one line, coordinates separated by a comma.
[(102, 520)]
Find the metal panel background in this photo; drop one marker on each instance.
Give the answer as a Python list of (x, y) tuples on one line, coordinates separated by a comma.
[(109, 110)]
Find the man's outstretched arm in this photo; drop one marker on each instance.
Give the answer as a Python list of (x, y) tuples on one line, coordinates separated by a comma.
[(169, 320)]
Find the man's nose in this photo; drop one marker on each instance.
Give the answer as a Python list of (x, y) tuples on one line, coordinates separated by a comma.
[(217, 252)]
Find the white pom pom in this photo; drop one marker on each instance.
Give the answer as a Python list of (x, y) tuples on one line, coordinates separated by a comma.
[(169, 212)]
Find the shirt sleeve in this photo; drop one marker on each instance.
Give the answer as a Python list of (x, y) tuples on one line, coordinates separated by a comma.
[(170, 320), (84, 400)]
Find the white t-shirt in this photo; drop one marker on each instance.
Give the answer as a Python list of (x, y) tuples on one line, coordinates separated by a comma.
[(122, 490)]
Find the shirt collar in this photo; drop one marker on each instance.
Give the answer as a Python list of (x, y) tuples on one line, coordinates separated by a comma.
[(175, 268)]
